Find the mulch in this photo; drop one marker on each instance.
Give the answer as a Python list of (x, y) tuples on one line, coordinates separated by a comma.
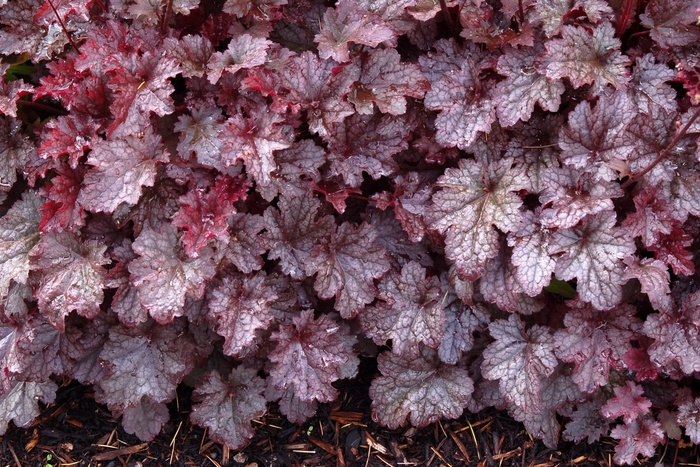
[(77, 431)]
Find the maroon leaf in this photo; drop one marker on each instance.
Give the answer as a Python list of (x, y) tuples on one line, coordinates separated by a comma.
[(199, 133), (465, 106), (346, 266), (70, 276), (310, 355), (293, 230), (586, 423), (160, 275), (19, 233), (319, 87), (203, 215), (473, 199), (422, 387), (226, 407), (245, 249), (19, 403), (586, 57), (672, 23), (533, 264), (689, 418), (595, 342), (15, 151), (523, 87), (519, 360), (145, 418), (638, 437), (348, 23), (676, 338), (385, 81), (411, 311), (654, 277), (145, 361), (367, 143), (120, 168), (244, 51), (592, 254), (593, 140), (240, 306)]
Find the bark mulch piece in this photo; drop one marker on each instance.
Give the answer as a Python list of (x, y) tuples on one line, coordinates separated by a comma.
[(75, 431)]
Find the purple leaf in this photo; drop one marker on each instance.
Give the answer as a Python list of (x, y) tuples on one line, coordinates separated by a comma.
[(120, 168), (226, 407), (70, 276), (519, 360), (638, 437), (310, 355), (411, 311), (586, 56), (240, 306), (162, 277), (346, 266), (422, 387), (592, 254), (473, 199), (348, 23)]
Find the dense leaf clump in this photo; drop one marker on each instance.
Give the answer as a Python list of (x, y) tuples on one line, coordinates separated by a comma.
[(497, 200)]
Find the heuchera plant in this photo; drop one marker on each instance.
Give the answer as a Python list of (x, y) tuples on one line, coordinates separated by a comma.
[(501, 197)]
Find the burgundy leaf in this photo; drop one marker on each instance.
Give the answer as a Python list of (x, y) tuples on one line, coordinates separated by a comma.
[(319, 87), (676, 338), (293, 230), (592, 254), (473, 199), (162, 277), (145, 418), (638, 437), (586, 56), (120, 168), (245, 249), (346, 266), (348, 23), (519, 360), (672, 23), (15, 151), (226, 407), (19, 234), (422, 387), (595, 341), (367, 143), (465, 106), (203, 215), (199, 133), (253, 140), (628, 403), (20, 402), (145, 361), (523, 87), (244, 51), (689, 418), (70, 276), (240, 306), (586, 423), (297, 167), (411, 311), (533, 264), (593, 140), (385, 81), (654, 277), (310, 355)]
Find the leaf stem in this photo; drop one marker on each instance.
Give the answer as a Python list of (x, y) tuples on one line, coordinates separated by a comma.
[(448, 17), (625, 17), (63, 26), (166, 13), (37, 105), (679, 134)]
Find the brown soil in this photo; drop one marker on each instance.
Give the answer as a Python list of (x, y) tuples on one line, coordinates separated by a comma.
[(76, 431)]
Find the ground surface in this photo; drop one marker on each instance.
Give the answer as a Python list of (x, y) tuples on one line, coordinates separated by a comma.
[(76, 431)]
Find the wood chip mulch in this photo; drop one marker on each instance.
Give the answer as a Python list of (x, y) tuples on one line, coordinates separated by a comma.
[(75, 431)]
